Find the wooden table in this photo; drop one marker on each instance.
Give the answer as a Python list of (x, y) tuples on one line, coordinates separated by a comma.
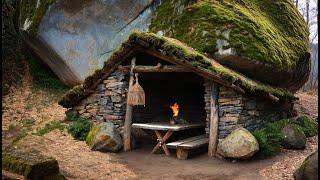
[(165, 126)]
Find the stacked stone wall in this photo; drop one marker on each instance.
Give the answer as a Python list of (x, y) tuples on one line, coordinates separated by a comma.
[(108, 102), (238, 110)]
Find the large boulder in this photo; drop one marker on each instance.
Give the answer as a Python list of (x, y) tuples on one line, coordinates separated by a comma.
[(293, 137), (104, 137), (240, 144), (75, 37), (309, 168), (26, 157), (265, 40)]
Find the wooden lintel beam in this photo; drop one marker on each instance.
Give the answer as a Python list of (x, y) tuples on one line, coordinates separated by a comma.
[(157, 68)]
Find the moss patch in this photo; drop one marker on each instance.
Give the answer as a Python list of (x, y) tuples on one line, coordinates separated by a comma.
[(271, 32), (25, 158), (29, 11), (50, 127), (92, 134)]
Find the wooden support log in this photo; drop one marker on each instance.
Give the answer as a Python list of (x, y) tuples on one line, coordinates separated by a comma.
[(199, 70), (155, 69), (214, 121), (182, 153), (128, 117)]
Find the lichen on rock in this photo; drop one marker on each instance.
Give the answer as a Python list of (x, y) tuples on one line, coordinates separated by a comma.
[(104, 137)]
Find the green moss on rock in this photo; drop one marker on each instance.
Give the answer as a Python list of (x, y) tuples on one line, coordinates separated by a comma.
[(272, 32), (92, 134), (30, 12), (26, 158)]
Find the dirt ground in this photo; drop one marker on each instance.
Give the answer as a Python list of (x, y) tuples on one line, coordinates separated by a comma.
[(76, 161)]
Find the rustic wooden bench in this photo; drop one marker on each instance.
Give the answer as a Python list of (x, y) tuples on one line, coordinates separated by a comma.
[(184, 146)]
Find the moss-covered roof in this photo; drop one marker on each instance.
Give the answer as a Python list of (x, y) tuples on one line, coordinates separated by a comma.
[(180, 53), (272, 32)]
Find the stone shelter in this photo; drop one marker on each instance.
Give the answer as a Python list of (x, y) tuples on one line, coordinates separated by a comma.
[(170, 71)]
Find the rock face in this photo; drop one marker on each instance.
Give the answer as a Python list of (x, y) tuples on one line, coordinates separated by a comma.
[(294, 138), (25, 158), (240, 144), (75, 37), (104, 137), (83, 34), (309, 168)]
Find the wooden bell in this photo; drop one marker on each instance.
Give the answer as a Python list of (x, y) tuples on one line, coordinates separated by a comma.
[(136, 95)]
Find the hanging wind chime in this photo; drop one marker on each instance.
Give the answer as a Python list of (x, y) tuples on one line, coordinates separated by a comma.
[(136, 95)]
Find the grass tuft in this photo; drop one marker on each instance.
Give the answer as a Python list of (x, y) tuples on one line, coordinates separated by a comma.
[(79, 127), (50, 127)]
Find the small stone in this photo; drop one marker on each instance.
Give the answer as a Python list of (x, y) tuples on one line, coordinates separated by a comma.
[(82, 111), (109, 81), (253, 113), (101, 87), (86, 115), (79, 108), (93, 111), (104, 101), (110, 93), (113, 84), (99, 118), (112, 117), (116, 98)]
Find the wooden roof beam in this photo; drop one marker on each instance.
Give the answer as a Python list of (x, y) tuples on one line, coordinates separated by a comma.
[(154, 69)]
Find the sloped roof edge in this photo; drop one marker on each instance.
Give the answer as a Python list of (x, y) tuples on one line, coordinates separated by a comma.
[(182, 54)]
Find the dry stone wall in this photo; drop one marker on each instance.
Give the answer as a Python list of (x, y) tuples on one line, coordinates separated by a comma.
[(237, 110), (108, 102)]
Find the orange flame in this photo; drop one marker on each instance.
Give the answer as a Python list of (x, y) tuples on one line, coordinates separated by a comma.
[(175, 109)]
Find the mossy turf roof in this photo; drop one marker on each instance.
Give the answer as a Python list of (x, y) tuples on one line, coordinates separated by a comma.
[(183, 55)]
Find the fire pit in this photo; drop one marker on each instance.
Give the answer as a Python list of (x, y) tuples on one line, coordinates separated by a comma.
[(175, 118)]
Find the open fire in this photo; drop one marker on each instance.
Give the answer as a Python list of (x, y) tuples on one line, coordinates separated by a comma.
[(175, 110)]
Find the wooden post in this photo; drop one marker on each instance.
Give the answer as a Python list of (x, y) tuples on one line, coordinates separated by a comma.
[(128, 117), (214, 119)]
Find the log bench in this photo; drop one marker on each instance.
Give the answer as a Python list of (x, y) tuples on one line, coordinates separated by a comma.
[(184, 146)]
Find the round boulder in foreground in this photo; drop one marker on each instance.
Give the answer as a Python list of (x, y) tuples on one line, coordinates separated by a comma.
[(293, 137), (104, 137), (240, 144)]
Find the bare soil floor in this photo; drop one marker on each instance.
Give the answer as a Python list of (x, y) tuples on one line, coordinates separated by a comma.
[(76, 161)]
